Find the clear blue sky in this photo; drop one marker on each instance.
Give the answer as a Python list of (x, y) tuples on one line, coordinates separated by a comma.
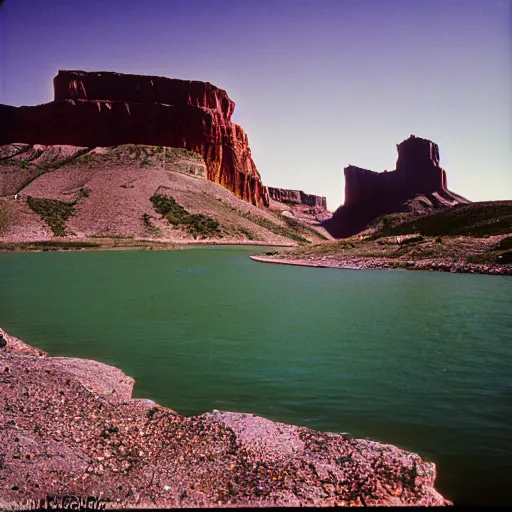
[(319, 84)]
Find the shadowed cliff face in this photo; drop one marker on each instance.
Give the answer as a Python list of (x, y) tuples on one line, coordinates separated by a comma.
[(417, 182), (98, 109)]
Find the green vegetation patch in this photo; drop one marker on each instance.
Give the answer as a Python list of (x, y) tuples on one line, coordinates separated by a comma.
[(476, 219), (79, 157), (294, 224), (63, 244), (195, 224), (50, 245), (275, 228), (146, 220), (247, 233), (175, 153), (112, 235), (6, 217), (54, 212)]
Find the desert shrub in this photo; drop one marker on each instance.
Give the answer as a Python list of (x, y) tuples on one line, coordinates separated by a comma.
[(272, 226), (146, 220), (60, 244), (195, 224), (476, 219), (296, 225), (173, 153), (112, 235), (6, 217), (55, 213), (248, 234), (83, 192)]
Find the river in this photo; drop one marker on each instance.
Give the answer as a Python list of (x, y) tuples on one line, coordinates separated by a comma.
[(420, 360)]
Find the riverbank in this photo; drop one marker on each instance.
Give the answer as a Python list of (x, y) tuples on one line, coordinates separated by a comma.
[(388, 264), (120, 244), (490, 255), (70, 427)]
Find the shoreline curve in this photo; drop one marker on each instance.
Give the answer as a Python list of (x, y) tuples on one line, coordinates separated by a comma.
[(72, 428)]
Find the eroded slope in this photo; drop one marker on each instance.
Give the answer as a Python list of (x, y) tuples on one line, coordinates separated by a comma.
[(75, 193)]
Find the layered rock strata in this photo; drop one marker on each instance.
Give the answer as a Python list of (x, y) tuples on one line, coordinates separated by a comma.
[(417, 183), (99, 109), (296, 197), (71, 428)]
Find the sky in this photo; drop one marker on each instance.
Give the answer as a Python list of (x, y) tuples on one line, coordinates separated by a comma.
[(318, 84)]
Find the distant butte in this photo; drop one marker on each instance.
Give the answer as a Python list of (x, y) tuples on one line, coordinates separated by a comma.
[(297, 197), (98, 109), (418, 183)]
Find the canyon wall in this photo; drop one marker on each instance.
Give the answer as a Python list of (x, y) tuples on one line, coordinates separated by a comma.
[(97, 109), (370, 194), (296, 197)]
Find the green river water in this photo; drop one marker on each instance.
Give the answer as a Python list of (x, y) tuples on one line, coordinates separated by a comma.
[(421, 360)]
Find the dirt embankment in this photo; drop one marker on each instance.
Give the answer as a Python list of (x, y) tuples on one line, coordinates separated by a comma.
[(69, 427)]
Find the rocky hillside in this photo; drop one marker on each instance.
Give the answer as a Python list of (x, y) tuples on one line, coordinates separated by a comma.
[(71, 428), (417, 184), (472, 238), (77, 194), (99, 109)]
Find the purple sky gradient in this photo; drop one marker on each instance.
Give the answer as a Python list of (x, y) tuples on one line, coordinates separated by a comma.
[(319, 84)]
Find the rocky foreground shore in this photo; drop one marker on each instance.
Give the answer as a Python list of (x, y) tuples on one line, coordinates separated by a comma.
[(69, 427)]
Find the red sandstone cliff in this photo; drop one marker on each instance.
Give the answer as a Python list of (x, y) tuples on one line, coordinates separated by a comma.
[(106, 109), (368, 194), (297, 197)]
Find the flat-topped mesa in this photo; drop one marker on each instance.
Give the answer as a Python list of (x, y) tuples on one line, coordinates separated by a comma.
[(297, 197), (99, 109), (107, 85), (369, 194)]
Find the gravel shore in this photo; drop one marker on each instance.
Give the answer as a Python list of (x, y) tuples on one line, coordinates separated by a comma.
[(361, 263), (69, 427)]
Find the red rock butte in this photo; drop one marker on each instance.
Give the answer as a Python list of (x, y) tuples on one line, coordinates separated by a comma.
[(417, 183), (98, 109)]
